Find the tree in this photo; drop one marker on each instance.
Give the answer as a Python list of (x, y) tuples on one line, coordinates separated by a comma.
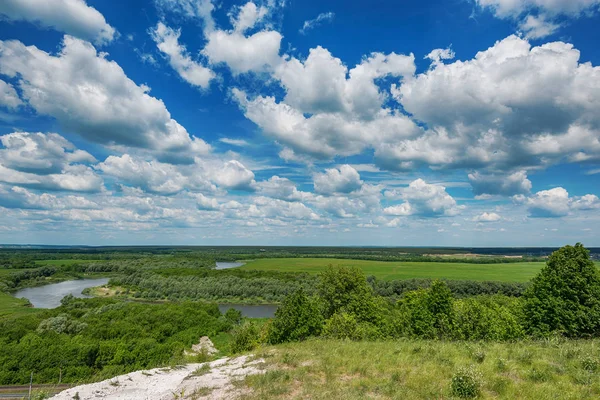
[(429, 312), (565, 296), (298, 318), (345, 289)]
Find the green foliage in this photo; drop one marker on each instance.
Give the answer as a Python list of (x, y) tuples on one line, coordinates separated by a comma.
[(466, 383), (459, 288), (565, 296), (245, 337), (344, 289), (119, 338), (428, 313), (223, 286), (233, 316), (346, 326), (488, 318), (298, 318), (62, 323)]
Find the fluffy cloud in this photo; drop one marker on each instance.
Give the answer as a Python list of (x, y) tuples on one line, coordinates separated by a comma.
[(76, 178), (512, 8), (282, 189), (512, 106), (498, 184), (319, 20), (74, 17), (234, 175), (152, 176), (322, 84), (248, 16), (40, 153), (206, 203), (93, 97), (243, 53), (587, 202), (17, 197), (538, 27), (438, 55), (536, 17), (46, 161), (192, 72), (487, 217), (325, 135), (343, 180), (426, 200), (549, 203), (556, 202), (8, 96)]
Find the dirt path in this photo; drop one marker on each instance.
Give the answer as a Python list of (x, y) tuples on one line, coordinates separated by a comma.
[(214, 380)]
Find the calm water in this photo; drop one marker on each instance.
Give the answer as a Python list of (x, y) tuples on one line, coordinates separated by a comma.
[(227, 265), (49, 296), (250, 311)]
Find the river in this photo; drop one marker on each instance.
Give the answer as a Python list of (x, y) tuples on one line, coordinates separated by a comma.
[(49, 296), (227, 265)]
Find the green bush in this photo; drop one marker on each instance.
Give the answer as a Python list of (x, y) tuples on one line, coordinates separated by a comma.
[(346, 326), (488, 318), (565, 296), (428, 313), (466, 383), (245, 337), (233, 316), (61, 324), (298, 318)]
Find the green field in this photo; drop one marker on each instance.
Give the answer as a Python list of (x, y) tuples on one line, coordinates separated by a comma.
[(13, 306), (390, 270), (65, 262)]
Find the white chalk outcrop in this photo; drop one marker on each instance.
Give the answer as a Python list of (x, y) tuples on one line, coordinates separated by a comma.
[(213, 380)]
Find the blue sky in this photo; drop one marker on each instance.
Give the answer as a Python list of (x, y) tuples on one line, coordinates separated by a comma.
[(447, 123)]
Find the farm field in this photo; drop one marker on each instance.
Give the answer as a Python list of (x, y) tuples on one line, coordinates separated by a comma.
[(391, 270)]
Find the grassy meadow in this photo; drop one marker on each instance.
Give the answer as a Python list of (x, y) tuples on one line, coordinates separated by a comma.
[(11, 306), (391, 270), (420, 369)]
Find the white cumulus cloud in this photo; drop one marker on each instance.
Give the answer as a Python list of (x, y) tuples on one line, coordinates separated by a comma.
[(343, 180), (93, 97), (191, 71), (73, 17), (426, 200)]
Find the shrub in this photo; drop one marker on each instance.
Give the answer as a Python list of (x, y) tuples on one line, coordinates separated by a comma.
[(61, 324), (346, 326), (233, 316), (488, 318), (298, 318), (466, 383), (246, 337)]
